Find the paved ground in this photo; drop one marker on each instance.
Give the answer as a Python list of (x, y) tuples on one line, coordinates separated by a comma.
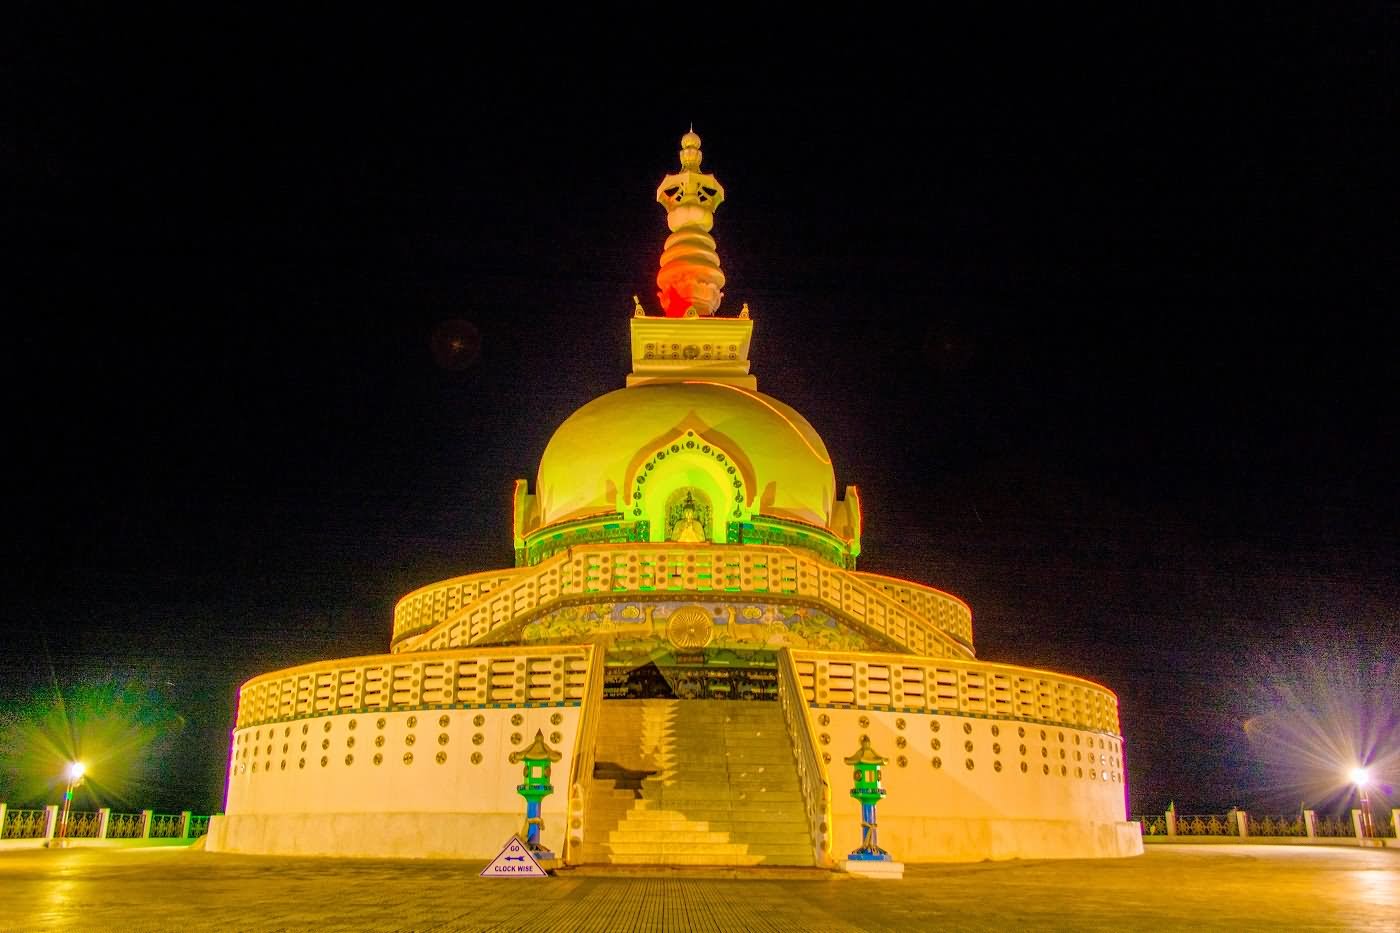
[(1170, 888)]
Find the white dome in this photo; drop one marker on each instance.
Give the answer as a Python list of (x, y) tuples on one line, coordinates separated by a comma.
[(592, 462)]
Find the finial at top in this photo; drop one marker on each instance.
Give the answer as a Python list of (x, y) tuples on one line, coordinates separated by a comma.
[(690, 151), (690, 275)]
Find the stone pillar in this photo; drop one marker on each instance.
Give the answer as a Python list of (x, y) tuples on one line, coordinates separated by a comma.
[(104, 816), (146, 824), (50, 821), (3, 809), (1171, 823), (184, 824), (1394, 820), (1242, 821), (1356, 825), (1310, 823)]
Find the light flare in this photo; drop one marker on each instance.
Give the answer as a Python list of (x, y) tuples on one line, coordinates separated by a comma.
[(113, 734), (1325, 724)]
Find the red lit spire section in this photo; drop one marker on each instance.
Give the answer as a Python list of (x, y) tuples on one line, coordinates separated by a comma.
[(690, 276)]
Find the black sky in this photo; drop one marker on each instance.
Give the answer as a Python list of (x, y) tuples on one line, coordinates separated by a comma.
[(1103, 330)]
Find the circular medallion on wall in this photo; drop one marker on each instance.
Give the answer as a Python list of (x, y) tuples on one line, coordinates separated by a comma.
[(690, 627)]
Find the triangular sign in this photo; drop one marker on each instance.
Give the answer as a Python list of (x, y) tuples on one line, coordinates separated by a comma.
[(515, 861)]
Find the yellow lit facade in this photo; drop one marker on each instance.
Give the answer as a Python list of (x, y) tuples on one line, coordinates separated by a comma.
[(686, 626)]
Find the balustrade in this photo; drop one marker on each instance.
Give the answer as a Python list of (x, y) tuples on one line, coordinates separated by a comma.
[(581, 770), (949, 613), (543, 674), (811, 775), (955, 686), (589, 570), (429, 605)]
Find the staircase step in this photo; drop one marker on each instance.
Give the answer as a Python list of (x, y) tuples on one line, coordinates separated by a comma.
[(602, 856), (682, 793), (700, 782), (755, 819), (619, 807), (778, 829), (612, 768), (693, 847), (732, 772), (784, 836), (645, 835), (739, 778)]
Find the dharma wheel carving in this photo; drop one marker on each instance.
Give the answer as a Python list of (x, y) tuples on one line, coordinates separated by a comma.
[(690, 627)]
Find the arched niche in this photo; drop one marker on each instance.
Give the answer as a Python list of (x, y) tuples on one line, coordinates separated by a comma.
[(687, 462)]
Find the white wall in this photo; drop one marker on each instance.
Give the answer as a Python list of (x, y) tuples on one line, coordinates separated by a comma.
[(287, 801), (956, 813)]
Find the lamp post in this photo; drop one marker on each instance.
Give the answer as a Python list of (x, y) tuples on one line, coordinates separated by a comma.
[(868, 791), (75, 772), (1362, 779), (537, 759)]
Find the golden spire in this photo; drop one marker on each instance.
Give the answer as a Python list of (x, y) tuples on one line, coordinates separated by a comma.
[(690, 276)]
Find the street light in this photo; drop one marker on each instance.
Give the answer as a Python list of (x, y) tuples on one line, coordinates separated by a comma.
[(1361, 777), (76, 770)]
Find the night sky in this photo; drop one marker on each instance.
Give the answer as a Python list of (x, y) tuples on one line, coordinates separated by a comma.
[(1104, 331)]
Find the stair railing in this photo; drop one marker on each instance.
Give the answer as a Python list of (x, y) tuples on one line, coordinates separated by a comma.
[(811, 773), (590, 710)]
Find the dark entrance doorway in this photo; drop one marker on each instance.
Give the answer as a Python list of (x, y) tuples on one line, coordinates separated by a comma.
[(690, 681)]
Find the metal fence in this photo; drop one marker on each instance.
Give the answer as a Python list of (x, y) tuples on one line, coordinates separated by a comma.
[(82, 825), (126, 826), (1210, 824), (165, 826), (24, 824), (48, 823), (1335, 826), (1269, 827), (1277, 826)]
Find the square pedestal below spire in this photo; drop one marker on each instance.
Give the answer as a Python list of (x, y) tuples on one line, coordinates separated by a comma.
[(711, 349)]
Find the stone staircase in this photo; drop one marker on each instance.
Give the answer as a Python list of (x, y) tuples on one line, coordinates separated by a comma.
[(694, 782)]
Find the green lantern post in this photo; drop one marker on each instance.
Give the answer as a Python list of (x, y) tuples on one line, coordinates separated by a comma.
[(868, 791), (537, 760)]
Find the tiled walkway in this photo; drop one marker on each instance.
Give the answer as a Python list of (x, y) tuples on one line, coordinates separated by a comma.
[(1171, 887)]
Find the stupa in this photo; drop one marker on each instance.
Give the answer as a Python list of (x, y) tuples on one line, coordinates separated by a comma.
[(686, 646)]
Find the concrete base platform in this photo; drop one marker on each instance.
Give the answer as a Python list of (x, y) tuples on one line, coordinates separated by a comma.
[(1233, 888), (877, 871)]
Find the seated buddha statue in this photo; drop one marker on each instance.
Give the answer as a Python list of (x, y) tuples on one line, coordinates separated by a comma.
[(688, 527)]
